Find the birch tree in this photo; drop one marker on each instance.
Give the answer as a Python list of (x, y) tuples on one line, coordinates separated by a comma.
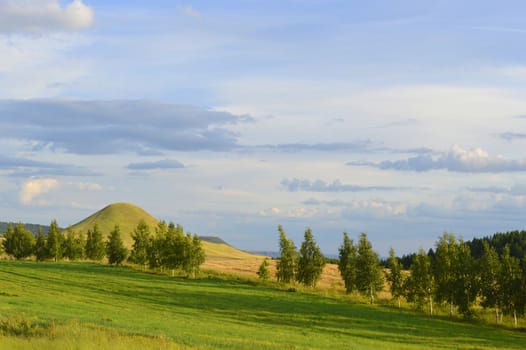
[(510, 281), (369, 279), (490, 269), (420, 285), (444, 269), (287, 263), (347, 263), (141, 241), (310, 262), (395, 277)]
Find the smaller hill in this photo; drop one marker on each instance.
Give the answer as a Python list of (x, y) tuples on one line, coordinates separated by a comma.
[(126, 215), (213, 239)]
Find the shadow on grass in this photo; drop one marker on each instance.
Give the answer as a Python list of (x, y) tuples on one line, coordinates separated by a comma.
[(238, 303)]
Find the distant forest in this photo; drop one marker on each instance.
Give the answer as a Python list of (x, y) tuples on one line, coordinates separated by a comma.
[(516, 240), (30, 227)]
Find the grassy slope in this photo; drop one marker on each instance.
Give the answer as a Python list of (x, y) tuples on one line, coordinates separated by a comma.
[(126, 215), (213, 314)]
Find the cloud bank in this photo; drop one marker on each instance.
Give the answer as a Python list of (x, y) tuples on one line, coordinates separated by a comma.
[(22, 167), (295, 185), (160, 164), (43, 16), (457, 159), (110, 127)]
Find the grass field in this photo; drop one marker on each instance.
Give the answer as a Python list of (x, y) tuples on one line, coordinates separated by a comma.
[(90, 306)]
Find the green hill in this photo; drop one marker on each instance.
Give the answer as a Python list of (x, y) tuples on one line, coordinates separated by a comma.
[(126, 215)]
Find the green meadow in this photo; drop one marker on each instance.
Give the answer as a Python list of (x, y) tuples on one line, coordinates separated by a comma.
[(92, 306)]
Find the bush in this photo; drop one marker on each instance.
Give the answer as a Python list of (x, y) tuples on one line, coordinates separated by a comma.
[(21, 326)]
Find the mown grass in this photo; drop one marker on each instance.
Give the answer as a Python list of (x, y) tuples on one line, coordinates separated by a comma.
[(90, 306)]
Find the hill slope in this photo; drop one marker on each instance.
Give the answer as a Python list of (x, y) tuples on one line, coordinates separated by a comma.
[(87, 302), (126, 215)]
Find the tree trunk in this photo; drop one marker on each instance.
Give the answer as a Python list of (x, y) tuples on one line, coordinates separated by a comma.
[(173, 272), (496, 314), (372, 295), (515, 318), (399, 302), (451, 309), (431, 306)]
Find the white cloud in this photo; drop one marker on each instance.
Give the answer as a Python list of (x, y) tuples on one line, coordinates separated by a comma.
[(270, 212), (43, 16), (458, 159), (88, 186), (34, 188)]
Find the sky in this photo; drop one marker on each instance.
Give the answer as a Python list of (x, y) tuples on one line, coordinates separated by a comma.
[(399, 118)]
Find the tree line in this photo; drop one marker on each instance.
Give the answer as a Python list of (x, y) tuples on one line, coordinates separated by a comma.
[(167, 247), (515, 240), (449, 275)]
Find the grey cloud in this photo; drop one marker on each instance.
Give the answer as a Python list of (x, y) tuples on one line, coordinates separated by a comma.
[(160, 164), (21, 167), (108, 127), (295, 185), (510, 136), (457, 160), (517, 190), (402, 123), (358, 146)]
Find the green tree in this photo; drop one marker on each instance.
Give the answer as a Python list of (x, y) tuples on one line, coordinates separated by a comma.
[(74, 245), (310, 262), (263, 271), (141, 241), (466, 279), (156, 248), (369, 278), (41, 252), (419, 286), (347, 263), (286, 266), (176, 248), (115, 249), (18, 242), (395, 277), (444, 268), (510, 280), (490, 269), (195, 256), (55, 242), (95, 247)]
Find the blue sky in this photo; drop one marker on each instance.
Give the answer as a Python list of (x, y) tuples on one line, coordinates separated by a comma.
[(401, 119)]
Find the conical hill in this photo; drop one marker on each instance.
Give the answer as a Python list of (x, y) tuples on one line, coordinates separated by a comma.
[(126, 215)]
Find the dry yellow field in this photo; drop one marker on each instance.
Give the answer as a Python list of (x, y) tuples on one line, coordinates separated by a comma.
[(229, 260), (226, 259)]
